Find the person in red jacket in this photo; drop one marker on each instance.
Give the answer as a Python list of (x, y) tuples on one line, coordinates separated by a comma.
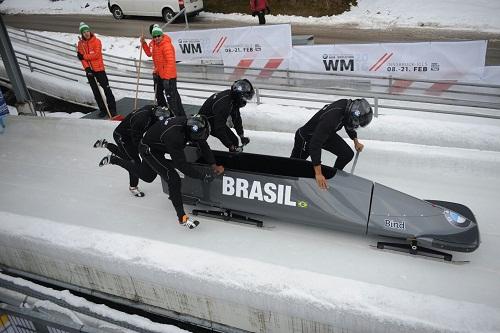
[(163, 53), (260, 8), (90, 54), (158, 83)]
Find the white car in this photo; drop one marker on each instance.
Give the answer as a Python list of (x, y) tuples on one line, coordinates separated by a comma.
[(167, 9)]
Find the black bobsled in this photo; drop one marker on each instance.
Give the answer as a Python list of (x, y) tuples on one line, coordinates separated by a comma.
[(285, 189)]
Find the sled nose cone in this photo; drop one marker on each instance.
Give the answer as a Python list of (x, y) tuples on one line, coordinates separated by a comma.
[(464, 241)]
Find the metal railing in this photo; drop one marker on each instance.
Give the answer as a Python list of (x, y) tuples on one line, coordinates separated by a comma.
[(22, 307), (21, 320), (284, 87)]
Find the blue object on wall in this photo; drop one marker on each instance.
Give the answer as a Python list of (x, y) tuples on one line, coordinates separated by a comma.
[(3, 110)]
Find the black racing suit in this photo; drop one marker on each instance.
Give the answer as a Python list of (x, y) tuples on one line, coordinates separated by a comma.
[(128, 135), (320, 132), (218, 108), (167, 137)]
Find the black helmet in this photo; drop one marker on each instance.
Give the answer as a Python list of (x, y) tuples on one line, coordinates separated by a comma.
[(359, 113), (198, 128), (162, 112), (243, 90)]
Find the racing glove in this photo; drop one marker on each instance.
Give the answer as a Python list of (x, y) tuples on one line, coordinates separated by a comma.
[(235, 149), (254, 13), (79, 55), (244, 140)]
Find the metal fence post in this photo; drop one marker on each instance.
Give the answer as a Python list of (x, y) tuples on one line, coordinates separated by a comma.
[(27, 37), (186, 18), (257, 96), (375, 106), (29, 63), (205, 72)]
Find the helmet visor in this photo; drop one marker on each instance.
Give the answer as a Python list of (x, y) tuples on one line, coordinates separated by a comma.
[(360, 113)]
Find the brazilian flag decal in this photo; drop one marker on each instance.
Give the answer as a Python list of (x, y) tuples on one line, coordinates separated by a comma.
[(302, 204)]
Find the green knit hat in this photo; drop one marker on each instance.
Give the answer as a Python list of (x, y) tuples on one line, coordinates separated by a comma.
[(156, 31), (84, 27)]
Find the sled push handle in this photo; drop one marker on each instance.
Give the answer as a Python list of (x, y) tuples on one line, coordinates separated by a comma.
[(354, 163)]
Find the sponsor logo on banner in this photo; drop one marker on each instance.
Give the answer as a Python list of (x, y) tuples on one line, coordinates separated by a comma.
[(192, 46), (255, 190), (338, 63)]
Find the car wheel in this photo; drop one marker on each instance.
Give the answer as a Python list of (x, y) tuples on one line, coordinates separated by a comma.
[(167, 14), (117, 12)]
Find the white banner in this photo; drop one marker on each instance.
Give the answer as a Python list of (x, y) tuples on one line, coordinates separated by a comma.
[(233, 44), (491, 75), (430, 60)]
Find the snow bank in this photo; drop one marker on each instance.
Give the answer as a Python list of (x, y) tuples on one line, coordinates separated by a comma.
[(221, 278)]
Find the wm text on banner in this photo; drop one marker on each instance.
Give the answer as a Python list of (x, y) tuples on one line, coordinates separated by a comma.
[(234, 44), (430, 60)]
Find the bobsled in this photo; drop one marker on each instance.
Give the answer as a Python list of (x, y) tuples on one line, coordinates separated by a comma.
[(256, 185)]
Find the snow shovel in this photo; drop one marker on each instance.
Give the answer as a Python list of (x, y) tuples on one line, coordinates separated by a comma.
[(138, 77)]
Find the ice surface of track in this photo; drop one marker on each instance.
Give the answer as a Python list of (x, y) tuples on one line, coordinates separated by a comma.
[(49, 173)]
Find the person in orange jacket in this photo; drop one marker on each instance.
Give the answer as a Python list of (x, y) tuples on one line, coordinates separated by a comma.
[(163, 53), (158, 83), (90, 54), (260, 8)]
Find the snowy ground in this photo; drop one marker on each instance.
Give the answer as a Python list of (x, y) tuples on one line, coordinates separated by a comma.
[(481, 15), (54, 193)]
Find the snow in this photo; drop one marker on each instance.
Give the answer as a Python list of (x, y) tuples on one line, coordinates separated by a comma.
[(55, 197), (481, 15)]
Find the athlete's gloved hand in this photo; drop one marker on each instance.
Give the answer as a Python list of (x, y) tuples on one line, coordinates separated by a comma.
[(244, 140), (235, 149), (79, 55), (89, 71), (254, 13)]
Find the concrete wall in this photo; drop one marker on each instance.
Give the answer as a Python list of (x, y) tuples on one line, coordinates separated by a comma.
[(183, 295)]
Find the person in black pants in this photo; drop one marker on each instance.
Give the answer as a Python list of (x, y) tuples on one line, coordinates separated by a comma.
[(170, 137), (220, 106), (320, 132), (157, 81), (128, 135)]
